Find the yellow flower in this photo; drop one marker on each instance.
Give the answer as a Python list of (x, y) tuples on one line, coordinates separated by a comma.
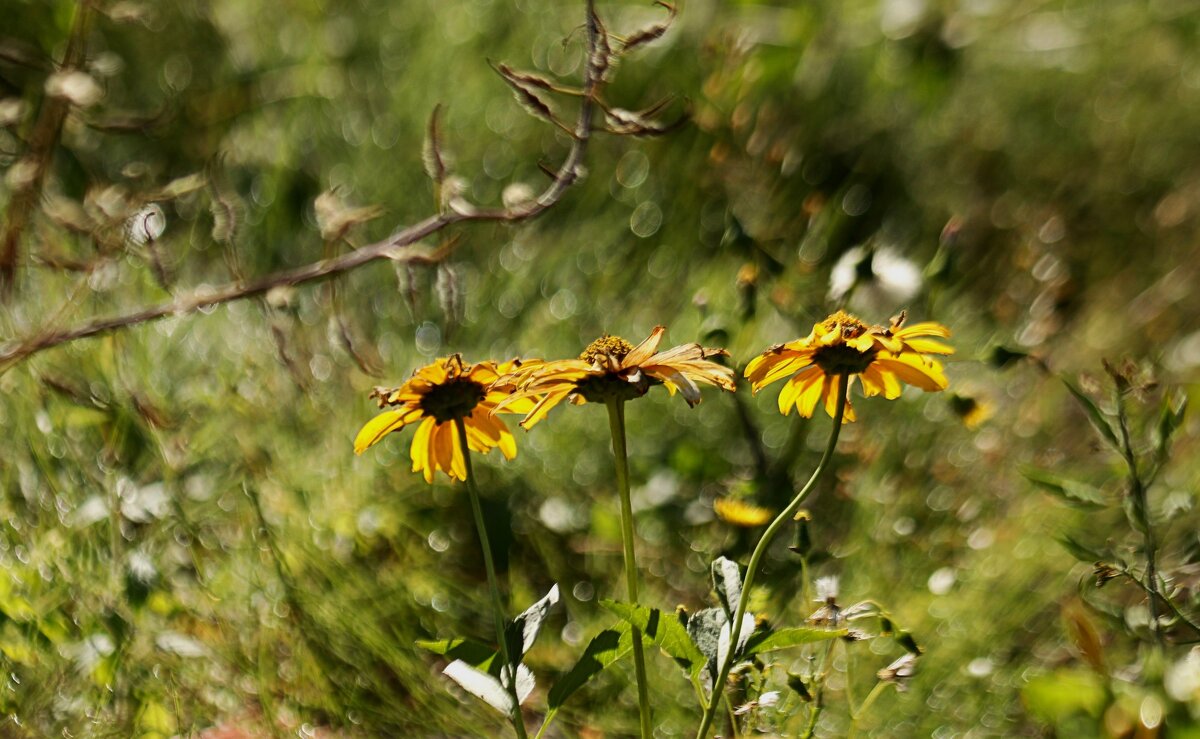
[(880, 357), (437, 395), (741, 513), (971, 411), (613, 369)]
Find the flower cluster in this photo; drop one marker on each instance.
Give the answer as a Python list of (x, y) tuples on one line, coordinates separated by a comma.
[(612, 370)]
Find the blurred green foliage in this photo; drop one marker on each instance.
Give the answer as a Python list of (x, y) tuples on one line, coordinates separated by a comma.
[(188, 540)]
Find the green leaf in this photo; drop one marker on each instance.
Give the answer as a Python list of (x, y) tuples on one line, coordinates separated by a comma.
[(476, 654), (1072, 492), (664, 631), (1094, 414), (1169, 422), (1081, 551), (1064, 693), (770, 641), (606, 648)]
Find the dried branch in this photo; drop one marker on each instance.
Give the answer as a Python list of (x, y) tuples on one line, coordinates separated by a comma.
[(42, 142), (598, 56)]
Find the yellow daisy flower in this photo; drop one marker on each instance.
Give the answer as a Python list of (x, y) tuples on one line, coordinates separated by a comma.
[(741, 513), (437, 395), (613, 369), (880, 357)]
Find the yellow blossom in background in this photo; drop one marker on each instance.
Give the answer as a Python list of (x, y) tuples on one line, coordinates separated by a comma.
[(971, 411), (612, 368), (741, 513), (880, 357), (436, 396)]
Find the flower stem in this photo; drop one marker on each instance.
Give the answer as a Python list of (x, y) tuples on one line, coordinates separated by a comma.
[(616, 424), (518, 722), (761, 549)]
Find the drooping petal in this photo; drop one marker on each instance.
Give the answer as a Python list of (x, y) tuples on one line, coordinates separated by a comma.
[(458, 460), (928, 346), (669, 375), (925, 328), (382, 425), (543, 407), (443, 447), (644, 350), (876, 381), (813, 391), (420, 450), (911, 368), (797, 385)]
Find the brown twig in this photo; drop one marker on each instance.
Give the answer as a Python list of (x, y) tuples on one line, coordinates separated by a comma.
[(567, 174), (42, 142)]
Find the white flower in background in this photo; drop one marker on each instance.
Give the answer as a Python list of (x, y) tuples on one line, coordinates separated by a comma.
[(827, 589), (145, 226), (874, 280), (1182, 680), (77, 88)]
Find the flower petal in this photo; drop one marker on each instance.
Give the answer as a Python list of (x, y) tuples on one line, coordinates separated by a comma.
[(798, 384), (420, 450), (644, 350), (382, 425), (923, 373), (543, 407)]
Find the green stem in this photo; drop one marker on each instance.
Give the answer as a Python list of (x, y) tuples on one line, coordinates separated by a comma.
[(616, 423), (497, 607), (761, 549), (1138, 491), (862, 710)]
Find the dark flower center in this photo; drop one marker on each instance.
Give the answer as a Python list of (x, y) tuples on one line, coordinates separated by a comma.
[(455, 398), (840, 359), (614, 386)]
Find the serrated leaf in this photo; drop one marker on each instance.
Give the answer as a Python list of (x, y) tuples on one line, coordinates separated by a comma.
[(704, 629), (770, 641), (1072, 492), (606, 648), (663, 630), (469, 651), (727, 581), (1094, 414)]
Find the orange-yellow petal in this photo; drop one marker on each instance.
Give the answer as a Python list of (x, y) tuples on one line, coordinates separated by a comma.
[(421, 444), (915, 370), (382, 425)]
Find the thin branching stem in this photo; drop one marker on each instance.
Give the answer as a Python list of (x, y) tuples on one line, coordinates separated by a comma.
[(493, 586), (394, 247), (760, 551), (1137, 490), (616, 424)]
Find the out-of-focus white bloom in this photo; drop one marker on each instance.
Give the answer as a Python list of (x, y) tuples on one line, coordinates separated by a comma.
[(827, 588), (1182, 680), (76, 87), (146, 225), (516, 194), (12, 111), (181, 644), (875, 280)]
